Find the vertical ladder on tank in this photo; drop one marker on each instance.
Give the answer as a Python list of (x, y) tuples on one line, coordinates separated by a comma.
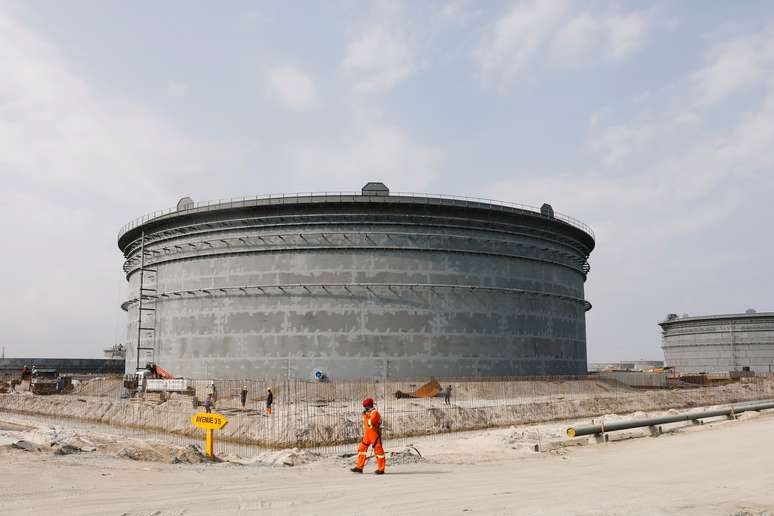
[(146, 304)]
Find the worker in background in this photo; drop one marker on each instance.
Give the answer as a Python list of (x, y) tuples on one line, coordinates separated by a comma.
[(208, 403), (269, 400), (144, 384), (372, 436), (212, 392), (447, 395), (33, 373), (26, 374), (243, 395)]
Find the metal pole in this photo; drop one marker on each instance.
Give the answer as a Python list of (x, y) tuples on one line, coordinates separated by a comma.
[(690, 416), (384, 380), (733, 345), (139, 298), (208, 447)]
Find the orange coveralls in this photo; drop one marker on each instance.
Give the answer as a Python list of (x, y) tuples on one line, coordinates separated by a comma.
[(372, 436)]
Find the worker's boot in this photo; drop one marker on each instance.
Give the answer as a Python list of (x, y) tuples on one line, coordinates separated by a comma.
[(379, 472), (356, 470)]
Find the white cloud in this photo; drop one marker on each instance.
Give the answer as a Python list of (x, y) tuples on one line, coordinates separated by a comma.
[(614, 143), (550, 32), (746, 62), (369, 152), (626, 33), (459, 12), (734, 65), (177, 89), (679, 159), (59, 131), (293, 87), (686, 179), (76, 162), (378, 60), (577, 38), (593, 35), (508, 46), (686, 172), (747, 150)]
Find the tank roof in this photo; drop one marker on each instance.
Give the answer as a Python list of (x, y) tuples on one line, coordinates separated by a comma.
[(715, 317), (351, 197)]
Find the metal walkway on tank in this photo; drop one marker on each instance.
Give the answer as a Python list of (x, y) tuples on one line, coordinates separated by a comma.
[(359, 240), (326, 288)]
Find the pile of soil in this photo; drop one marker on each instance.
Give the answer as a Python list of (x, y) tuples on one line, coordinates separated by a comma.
[(60, 441), (288, 457), (406, 455)]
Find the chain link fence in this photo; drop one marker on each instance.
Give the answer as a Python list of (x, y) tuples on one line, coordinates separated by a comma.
[(326, 416)]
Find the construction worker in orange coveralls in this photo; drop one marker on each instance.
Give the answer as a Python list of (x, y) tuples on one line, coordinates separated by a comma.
[(372, 436)]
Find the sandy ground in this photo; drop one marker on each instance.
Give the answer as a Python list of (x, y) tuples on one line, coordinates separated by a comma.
[(309, 423), (723, 468)]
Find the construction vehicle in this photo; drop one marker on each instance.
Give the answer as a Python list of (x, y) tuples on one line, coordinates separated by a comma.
[(154, 378), (431, 389), (664, 369), (46, 380)]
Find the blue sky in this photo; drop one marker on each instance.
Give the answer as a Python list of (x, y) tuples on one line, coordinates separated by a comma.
[(651, 121)]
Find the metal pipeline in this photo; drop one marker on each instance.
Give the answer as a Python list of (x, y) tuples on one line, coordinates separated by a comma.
[(688, 416)]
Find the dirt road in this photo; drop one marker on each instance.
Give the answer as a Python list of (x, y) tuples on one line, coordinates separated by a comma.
[(724, 469)]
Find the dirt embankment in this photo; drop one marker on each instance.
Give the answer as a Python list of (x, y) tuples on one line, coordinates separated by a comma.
[(310, 424), (62, 441)]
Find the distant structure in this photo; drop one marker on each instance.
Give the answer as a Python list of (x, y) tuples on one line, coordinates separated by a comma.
[(64, 365), (631, 365), (359, 284), (116, 351), (719, 343)]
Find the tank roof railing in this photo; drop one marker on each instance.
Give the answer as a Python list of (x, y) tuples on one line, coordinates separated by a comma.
[(715, 317), (218, 204)]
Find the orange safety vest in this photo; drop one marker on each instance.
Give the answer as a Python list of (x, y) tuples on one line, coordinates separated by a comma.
[(372, 425)]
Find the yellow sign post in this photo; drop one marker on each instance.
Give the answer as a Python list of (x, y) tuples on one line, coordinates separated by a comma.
[(209, 422)]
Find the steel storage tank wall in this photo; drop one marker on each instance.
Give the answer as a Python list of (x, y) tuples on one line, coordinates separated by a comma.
[(719, 343), (357, 286)]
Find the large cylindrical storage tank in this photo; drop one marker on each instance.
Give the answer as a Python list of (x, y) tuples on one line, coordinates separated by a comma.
[(719, 343), (366, 284)]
